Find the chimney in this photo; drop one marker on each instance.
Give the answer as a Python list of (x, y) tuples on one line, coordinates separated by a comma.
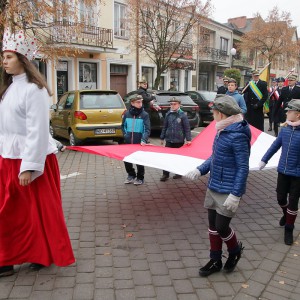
[(239, 22)]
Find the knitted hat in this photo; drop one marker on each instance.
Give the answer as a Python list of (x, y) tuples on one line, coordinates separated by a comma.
[(20, 42)]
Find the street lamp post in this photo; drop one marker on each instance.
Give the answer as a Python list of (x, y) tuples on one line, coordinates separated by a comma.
[(232, 53)]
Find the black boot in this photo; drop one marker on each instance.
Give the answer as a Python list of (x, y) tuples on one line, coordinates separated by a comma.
[(233, 259), (288, 236), (165, 177), (211, 267), (36, 267), (6, 271), (282, 221)]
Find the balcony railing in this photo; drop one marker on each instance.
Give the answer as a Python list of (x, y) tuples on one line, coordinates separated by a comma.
[(213, 55), (183, 51), (242, 62), (64, 32)]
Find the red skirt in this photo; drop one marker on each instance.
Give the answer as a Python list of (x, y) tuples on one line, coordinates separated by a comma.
[(32, 224)]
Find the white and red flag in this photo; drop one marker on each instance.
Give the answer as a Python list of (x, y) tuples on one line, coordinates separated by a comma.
[(188, 157)]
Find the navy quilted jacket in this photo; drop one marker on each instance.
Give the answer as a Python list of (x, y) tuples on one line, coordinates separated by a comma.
[(176, 127), (289, 140), (229, 162)]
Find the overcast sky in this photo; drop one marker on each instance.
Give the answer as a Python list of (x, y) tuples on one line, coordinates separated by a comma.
[(224, 10)]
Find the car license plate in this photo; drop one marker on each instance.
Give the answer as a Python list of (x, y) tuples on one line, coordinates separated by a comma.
[(105, 131)]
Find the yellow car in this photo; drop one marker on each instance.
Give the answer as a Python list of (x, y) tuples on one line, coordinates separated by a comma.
[(81, 115)]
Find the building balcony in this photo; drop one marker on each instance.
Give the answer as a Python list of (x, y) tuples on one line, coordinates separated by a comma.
[(64, 32), (242, 63), (184, 51), (213, 56)]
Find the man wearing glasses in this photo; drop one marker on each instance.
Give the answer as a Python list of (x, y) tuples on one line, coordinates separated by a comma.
[(292, 91)]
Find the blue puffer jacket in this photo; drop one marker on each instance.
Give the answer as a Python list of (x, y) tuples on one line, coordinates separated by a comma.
[(176, 127), (289, 140), (229, 162), (136, 126)]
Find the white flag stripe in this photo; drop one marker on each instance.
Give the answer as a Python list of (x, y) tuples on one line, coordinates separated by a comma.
[(177, 164), (182, 164), (259, 148)]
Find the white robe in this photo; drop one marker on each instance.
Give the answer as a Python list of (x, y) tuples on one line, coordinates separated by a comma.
[(24, 125)]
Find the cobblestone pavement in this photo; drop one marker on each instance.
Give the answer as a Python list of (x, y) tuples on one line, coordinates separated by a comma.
[(147, 242)]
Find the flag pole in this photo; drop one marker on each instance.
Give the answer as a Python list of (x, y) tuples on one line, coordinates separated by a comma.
[(243, 91)]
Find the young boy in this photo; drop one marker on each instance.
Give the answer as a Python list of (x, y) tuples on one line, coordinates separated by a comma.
[(229, 167), (175, 131), (288, 181), (136, 130)]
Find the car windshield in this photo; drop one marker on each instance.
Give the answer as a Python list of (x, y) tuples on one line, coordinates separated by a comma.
[(185, 99), (103, 100), (208, 96)]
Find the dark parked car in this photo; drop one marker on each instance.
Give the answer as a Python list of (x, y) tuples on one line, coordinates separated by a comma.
[(162, 97), (203, 98)]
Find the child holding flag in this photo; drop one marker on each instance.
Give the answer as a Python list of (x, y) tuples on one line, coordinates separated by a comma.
[(288, 182)]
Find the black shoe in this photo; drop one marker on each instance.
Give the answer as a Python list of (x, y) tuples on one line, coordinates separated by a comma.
[(6, 271), (177, 176), (164, 177), (288, 236), (211, 267), (282, 221), (233, 259), (36, 267)]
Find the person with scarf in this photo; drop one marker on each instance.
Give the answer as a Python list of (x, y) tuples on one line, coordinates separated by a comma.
[(288, 181), (176, 131), (229, 167), (136, 130)]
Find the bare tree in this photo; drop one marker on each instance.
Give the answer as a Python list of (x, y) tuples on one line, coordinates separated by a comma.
[(272, 38), (54, 23), (162, 29)]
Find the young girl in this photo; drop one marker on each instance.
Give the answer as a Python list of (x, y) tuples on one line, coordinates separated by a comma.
[(288, 181), (32, 225), (229, 167)]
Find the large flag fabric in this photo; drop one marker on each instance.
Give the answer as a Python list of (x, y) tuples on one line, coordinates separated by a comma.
[(182, 160)]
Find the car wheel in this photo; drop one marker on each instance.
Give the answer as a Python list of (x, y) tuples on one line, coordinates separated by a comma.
[(51, 130), (73, 140)]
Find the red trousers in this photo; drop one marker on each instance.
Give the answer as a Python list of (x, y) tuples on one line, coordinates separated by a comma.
[(32, 224)]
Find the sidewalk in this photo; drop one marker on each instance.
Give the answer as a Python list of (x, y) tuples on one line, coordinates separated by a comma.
[(148, 242)]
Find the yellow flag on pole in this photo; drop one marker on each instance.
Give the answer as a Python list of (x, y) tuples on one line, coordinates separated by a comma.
[(264, 75)]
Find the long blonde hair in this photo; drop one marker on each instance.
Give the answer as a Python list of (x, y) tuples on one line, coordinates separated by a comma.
[(33, 75)]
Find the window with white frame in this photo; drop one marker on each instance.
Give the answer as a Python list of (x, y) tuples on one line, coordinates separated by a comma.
[(87, 14), (224, 44), (120, 29)]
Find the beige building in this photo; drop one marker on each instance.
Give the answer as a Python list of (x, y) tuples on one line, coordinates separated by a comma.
[(109, 60)]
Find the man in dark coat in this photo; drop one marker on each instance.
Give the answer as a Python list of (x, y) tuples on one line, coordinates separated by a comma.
[(223, 88), (147, 97), (277, 116), (292, 91), (255, 114)]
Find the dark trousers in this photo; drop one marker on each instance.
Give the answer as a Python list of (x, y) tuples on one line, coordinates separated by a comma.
[(288, 188), (172, 145), (131, 171)]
